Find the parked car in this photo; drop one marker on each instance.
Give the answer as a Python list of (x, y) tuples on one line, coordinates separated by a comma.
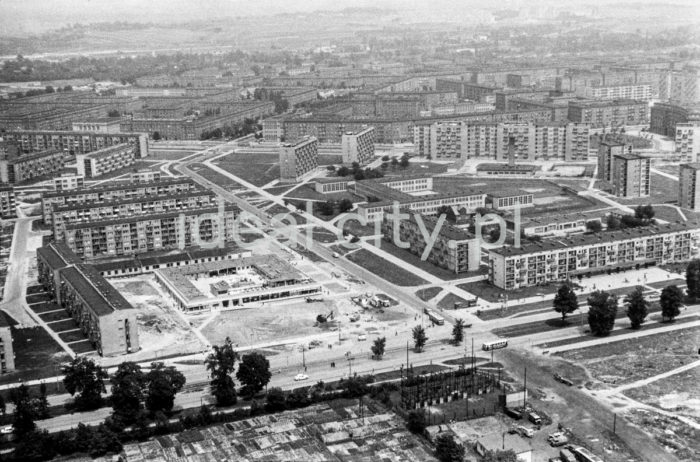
[(526, 432), (562, 379), (300, 377), (557, 439)]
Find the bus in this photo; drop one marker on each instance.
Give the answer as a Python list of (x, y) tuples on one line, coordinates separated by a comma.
[(436, 318), (494, 345), (583, 454)]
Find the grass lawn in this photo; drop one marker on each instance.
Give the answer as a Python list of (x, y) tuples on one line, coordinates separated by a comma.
[(214, 177), (62, 326), (55, 316), (324, 236), (416, 168), (449, 300), (252, 170), (666, 213), (82, 347), (528, 308), (44, 307), (670, 282), (425, 265), (428, 293), (491, 293), (37, 354), (384, 269)]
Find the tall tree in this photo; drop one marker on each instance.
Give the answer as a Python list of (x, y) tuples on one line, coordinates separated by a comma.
[(127, 392), (416, 421), (378, 347), (448, 212), (419, 338), (41, 403), (25, 412), (602, 311), (458, 331), (163, 383), (84, 377), (3, 407), (671, 301), (253, 373), (692, 278), (447, 449), (565, 302), (636, 307), (220, 363)]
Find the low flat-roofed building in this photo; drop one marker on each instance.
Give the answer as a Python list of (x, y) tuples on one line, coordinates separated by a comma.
[(332, 185), (558, 224), (561, 259), (510, 199), (8, 206), (250, 280), (454, 249), (506, 169)]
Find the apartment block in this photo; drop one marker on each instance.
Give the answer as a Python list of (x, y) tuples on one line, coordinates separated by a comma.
[(298, 160), (64, 215), (609, 113), (454, 249), (607, 150), (7, 352), (688, 190), (587, 254), (687, 142), (147, 233), (666, 116), (114, 192), (358, 146), (630, 176), (101, 312), (75, 142), (145, 176), (7, 202), (103, 161), (68, 182), (637, 92), (99, 125), (16, 168), (681, 86)]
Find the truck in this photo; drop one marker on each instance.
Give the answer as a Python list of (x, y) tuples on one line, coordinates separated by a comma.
[(514, 413), (534, 418)]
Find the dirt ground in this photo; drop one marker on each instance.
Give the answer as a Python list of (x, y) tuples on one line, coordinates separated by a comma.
[(162, 331)]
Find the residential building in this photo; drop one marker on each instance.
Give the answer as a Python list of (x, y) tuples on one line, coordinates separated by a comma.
[(609, 113), (146, 233), (637, 92), (563, 259), (666, 116), (113, 192), (99, 125), (453, 249), (510, 199), (68, 182), (7, 352), (688, 190), (144, 175), (7, 202), (298, 159), (273, 128), (681, 86), (630, 176), (17, 168), (687, 142), (607, 150), (101, 312), (106, 160), (358, 146), (75, 142)]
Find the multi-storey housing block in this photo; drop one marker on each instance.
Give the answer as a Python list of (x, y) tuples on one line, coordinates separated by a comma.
[(630, 175), (7, 202), (103, 161), (688, 190), (607, 150), (687, 142), (16, 168), (298, 160), (637, 92), (358, 146), (75, 142), (68, 181), (612, 113)]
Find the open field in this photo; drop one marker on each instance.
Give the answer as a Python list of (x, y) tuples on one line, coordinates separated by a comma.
[(491, 293), (258, 169), (416, 168), (428, 293), (635, 359), (679, 393), (384, 269), (214, 177), (162, 330), (680, 439)]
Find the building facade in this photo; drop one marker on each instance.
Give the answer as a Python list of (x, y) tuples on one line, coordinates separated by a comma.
[(687, 142), (75, 142), (358, 146), (24, 167), (607, 150), (631, 175), (612, 113), (688, 190), (68, 182), (7, 352), (7, 202), (101, 125), (103, 161), (298, 160), (637, 92)]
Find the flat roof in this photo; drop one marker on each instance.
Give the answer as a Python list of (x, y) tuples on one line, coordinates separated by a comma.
[(132, 200), (591, 239), (447, 230), (548, 219), (627, 156), (163, 257), (119, 187), (507, 167), (148, 216), (509, 192), (97, 292), (58, 255)]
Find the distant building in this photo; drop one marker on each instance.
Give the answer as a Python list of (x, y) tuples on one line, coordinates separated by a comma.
[(273, 128), (609, 113), (687, 142), (68, 181), (102, 313), (638, 92), (332, 185), (7, 202), (630, 176), (145, 176), (103, 161), (607, 150), (510, 199), (298, 160), (688, 187), (666, 116), (101, 125), (358, 146), (453, 249), (681, 86), (23, 167), (75, 142)]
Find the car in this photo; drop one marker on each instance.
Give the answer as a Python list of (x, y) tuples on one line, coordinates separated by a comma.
[(557, 439), (300, 377), (7, 430), (362, 337), (562, 379), (336, 255), (527, 432)]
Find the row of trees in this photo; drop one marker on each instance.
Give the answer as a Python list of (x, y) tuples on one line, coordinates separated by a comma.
[(643, 216), (603, 306), (327, 208)]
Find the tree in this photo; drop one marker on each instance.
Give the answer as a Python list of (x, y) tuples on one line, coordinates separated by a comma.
[(25, 412), (345, 205), (163, 383), (449, 213), (325, 208), (500, 456), (49, 89), (84, 377), (156, 136), (275, 400), (3, 407), (447, 449), (343, 171), (41, 403), (594, 226), (670, 301), (458, 332), (394, 162), (127, 392), (636, 307), (644, 212), (404, 161), (378, 347), (419, 338), (113, 113), (565, 302), (602, 311), (253, 373), (692, 279), (416, 421), (220, 364)]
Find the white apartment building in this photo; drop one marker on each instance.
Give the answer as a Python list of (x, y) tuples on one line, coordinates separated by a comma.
[(687, 144)]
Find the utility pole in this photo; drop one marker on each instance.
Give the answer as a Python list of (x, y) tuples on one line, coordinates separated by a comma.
[(614, 422), (406, 358), (303, 356), (525, 390)]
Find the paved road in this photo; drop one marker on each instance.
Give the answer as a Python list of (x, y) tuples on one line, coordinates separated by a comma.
[(14, 302)]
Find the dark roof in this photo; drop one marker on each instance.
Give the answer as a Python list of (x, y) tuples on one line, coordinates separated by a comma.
[(58, 255), (132, 200), (99, 294), (119, 187), (506, 167), (627, 156)]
